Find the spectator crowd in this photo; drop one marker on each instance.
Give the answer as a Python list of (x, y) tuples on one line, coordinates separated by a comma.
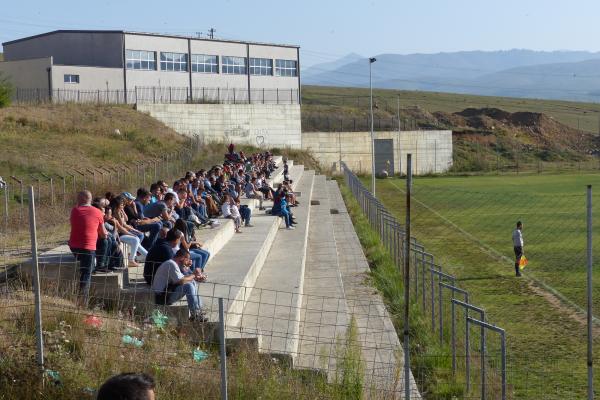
[(157, 226)]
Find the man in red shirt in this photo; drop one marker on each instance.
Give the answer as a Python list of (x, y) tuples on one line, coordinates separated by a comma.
[(87, 224)]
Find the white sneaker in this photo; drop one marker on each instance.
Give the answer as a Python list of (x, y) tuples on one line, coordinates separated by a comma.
[(290, 228)]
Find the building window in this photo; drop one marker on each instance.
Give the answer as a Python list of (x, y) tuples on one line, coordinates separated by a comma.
[(261, 66), (140, 59), (205, 63), (234, 65), (173, 62), (286, 68), (69, 78)]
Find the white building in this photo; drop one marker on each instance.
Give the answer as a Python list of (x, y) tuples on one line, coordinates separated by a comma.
[(120, 66)]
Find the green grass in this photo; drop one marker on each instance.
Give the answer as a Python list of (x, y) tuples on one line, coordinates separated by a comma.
[(54, 138), (355, 101), (430, 362), (466, 222)]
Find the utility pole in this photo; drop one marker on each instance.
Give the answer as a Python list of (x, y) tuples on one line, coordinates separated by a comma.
[(211, 33), (371, 61)]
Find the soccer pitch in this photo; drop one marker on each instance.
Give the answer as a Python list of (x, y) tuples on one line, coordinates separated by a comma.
[(467, 224)]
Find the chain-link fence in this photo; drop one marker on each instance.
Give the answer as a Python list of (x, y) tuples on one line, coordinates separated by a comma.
[(56, 193), (478, 348), (254, 342), (467, 223)]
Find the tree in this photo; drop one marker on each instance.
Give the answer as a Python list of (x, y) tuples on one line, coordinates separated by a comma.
[(6, 90)]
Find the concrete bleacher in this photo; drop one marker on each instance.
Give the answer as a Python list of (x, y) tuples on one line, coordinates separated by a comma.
[(291, 294)]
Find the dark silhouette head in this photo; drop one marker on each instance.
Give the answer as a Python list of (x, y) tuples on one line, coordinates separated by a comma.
[(127, 386)]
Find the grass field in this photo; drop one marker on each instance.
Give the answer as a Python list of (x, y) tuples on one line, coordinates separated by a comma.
[(355, 101), (466, 222)]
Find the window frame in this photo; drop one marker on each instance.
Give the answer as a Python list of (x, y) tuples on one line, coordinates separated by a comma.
[(234, 68), (263, 70), (71, 81), (196, 65), (135, 56), (176, 64), (280, 70)]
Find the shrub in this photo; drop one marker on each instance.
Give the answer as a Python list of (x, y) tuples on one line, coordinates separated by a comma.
[(6, 91)]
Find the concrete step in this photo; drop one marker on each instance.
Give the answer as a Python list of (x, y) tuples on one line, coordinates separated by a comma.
[(273, 309), (324, 318), (380, 347), (233, 271), (58, 264)]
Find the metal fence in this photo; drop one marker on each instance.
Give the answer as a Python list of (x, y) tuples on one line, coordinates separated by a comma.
[(324, 123), (56, 193), (478, 347), (159, 94), (257, 341)]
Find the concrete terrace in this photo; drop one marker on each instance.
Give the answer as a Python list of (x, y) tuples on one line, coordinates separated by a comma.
[(291, 294)]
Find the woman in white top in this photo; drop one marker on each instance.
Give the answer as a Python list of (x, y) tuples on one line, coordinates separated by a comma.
[(230, 210)]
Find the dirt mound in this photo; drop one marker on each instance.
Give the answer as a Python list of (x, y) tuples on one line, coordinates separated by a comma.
[(535, 130)]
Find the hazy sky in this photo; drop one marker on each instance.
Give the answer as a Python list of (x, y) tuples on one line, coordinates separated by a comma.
[(329, 29)]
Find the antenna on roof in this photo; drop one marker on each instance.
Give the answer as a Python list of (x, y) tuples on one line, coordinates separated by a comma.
[(211, 33), (198, 34)]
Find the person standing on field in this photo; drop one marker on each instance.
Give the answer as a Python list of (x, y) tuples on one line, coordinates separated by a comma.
[(517, 238)]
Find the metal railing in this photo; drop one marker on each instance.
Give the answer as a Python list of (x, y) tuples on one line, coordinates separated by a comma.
[(428, 281), (159, 94)]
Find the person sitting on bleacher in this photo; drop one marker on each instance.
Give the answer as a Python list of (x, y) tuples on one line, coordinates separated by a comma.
[(285, 212), (212, 207), (245, 213), (127, 233), (171, 284), (155, 193), (198, 202), (109, 256), (253, 193), (162, 251), (230, 211), (162, 209), (135, 214), (263, 186), (188, 241), (287, 185)]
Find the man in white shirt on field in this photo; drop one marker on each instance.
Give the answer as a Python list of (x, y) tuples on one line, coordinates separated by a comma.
[(517, 238)]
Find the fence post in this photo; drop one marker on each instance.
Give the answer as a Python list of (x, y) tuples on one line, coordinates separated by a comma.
[(590, 360), (223, 358), (36, 281), (6, 207), (407, 280)]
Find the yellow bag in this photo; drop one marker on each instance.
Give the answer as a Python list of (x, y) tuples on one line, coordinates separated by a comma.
[(523, 262)]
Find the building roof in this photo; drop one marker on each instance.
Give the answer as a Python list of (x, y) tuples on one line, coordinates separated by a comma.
[(148, 34)]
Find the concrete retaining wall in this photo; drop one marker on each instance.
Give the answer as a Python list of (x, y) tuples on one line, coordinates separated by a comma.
[(431, 150), (269, 125)]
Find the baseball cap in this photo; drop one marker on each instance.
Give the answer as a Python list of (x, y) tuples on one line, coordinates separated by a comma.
[(128, 195)]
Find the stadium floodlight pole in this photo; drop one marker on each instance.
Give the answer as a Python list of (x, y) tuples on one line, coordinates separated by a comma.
[(371, 61), (407, 279), (590, 360)]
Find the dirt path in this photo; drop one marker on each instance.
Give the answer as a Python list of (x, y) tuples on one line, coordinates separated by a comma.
[(565, 309)]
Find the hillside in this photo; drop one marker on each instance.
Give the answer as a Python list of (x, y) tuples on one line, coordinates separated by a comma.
[(51, 138), (518, 73), (341, 102), (488, 131)]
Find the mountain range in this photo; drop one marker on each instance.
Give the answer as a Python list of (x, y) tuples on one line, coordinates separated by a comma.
[(567, 75)]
